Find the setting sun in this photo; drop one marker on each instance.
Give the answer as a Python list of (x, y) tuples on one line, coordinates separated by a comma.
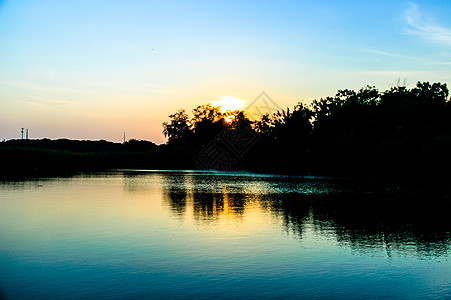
[(229, 103), (229, 119)]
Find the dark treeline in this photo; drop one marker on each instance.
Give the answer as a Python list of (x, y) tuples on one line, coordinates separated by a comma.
[(398, 132), (45, 157)]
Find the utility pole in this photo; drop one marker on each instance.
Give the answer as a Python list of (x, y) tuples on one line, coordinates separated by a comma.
[(124, 136), (22, 132), (27, 134)]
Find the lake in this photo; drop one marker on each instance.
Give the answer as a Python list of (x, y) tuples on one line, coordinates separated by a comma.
[(208, 234)]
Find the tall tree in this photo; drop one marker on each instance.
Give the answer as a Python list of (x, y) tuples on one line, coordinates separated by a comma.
[(208, 121), (178, 128)]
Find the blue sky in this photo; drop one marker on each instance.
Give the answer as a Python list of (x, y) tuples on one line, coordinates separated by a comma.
[(94, 69)]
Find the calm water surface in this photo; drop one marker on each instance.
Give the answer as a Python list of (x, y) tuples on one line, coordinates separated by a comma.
[(186, 234)]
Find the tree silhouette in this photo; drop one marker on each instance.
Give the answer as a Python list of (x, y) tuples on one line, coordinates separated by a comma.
[(178, 129), (208, 121)]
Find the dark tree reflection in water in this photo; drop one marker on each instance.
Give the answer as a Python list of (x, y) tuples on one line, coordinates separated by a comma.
[(397, 223), (177, 194), (364, 216)]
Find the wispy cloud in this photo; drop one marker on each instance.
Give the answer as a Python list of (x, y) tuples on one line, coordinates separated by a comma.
[(27, 85), (59, 101), (415, 59), (423, 26), (391, 54), (43, 102), (415, 75)]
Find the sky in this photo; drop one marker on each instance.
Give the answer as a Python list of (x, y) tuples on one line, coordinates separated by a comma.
[(96, 69)]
